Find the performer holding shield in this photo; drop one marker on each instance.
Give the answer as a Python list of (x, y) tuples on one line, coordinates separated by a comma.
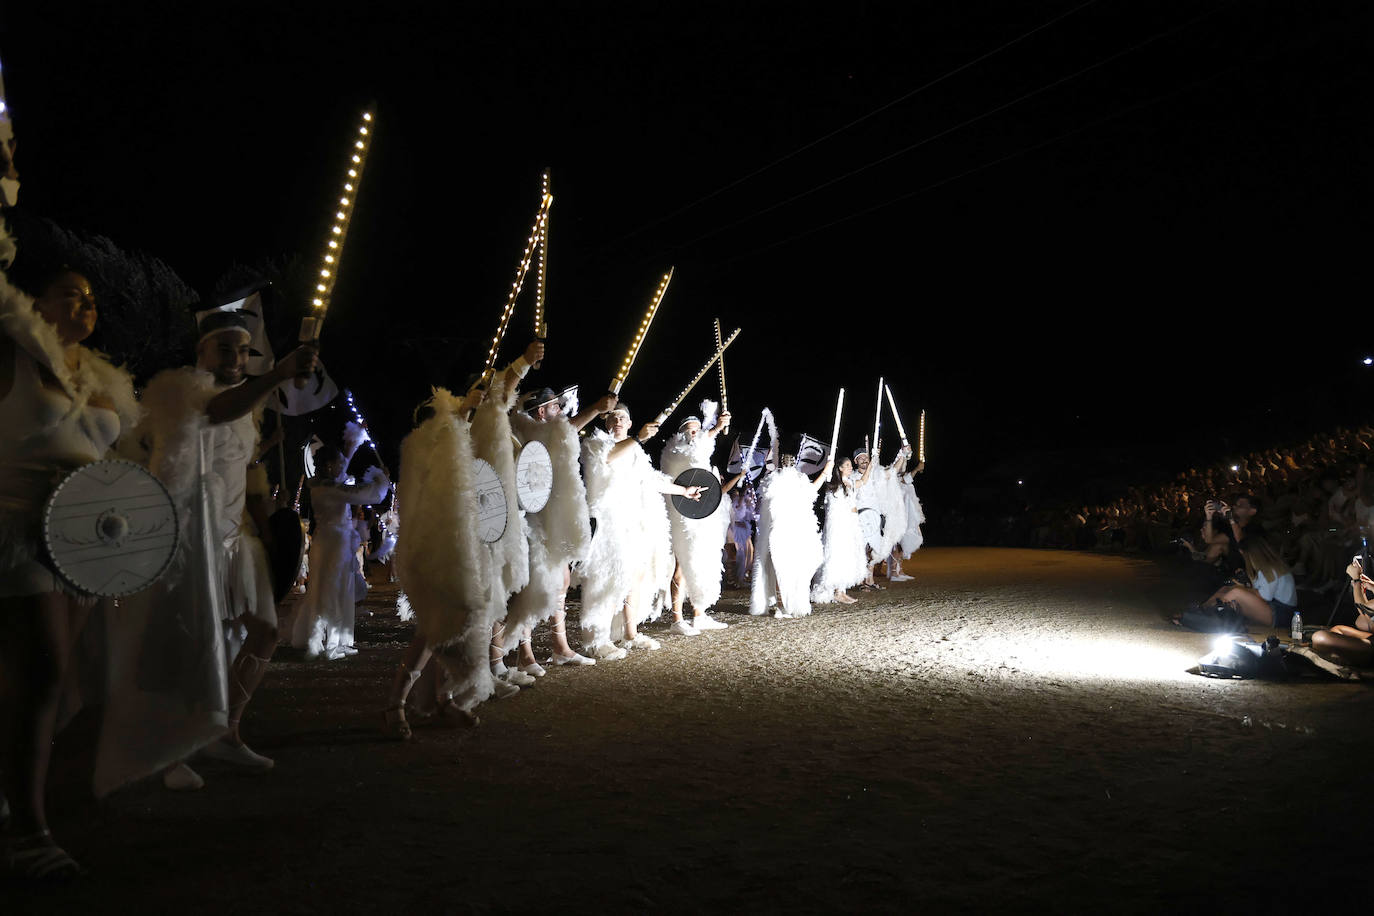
[(61, 406), (559, 531), (201, 430), (696, 541), (788, 550), (628, 566)]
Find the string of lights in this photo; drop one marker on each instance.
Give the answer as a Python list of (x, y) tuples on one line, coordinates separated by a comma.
[(682, 395), (643, 329), (521, 271), (338, 232)]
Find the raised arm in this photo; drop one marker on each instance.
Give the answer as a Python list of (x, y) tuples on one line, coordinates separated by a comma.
[(825, 473), (240, 400), (600, 408), (621, 448)]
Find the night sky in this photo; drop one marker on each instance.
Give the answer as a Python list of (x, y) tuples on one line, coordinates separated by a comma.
[(1136, 236)]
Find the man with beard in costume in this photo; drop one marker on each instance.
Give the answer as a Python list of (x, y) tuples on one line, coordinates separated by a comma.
[(560, 533)]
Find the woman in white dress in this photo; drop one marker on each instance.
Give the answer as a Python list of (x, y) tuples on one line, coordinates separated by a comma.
[(61, 406), (846, 563), (324, 623), (788, 551)]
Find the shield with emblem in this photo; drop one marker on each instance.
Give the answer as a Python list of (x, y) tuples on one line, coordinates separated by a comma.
[(871, 523), (491, 502), (533, 477), (110, 529), (710, 494)]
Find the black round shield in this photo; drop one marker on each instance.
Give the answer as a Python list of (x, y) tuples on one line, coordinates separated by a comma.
[(710, 494), (285, 550)]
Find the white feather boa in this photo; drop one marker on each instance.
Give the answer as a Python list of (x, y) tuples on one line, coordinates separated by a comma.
[(94, 377), (560, 533), (788, 550), (630, 556), (491, 439), (696, 542), (845, 563)]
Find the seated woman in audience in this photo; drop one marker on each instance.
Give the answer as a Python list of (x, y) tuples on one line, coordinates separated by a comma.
[(1351, 645), (1274, 597)]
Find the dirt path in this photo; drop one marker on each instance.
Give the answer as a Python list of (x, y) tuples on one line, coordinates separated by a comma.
[(1012, 730)]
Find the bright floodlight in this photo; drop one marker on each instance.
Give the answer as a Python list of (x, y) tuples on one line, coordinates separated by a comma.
[(1235, 467), (1368, 360)]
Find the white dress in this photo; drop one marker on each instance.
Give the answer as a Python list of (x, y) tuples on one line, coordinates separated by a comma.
[(324, 622), (845, 564), (912, 537), (696, 541)]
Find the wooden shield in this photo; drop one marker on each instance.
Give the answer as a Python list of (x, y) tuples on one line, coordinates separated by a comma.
[(110, 529), (710, 496)]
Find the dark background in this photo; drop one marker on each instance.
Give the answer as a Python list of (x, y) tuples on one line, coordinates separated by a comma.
[(1134, 239)]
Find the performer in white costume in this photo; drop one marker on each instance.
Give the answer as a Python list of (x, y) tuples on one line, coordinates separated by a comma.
[(443, 566), (881, 493), (560, 533), (626, 574), (207, 415), (323, 624), (788, 550), (846, 560), (61, 406), (912, 538), (697, 567)]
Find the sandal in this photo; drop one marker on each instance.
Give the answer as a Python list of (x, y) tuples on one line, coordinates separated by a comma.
[(394, 724), (37, 858)]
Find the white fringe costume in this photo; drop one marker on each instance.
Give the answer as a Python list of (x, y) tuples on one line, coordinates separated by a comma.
[(441, 562), (630, 556), (493, 443), (882, 492), (787, 549), (559, 534), (323, 625), (845, 564), (696, 542), (912, 538)]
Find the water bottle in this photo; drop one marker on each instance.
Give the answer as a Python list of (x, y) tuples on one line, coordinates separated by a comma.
[(1296, 632)]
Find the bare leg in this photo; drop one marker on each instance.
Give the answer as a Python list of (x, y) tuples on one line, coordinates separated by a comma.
[(1250, 604), (247, 671), (40, 630), (1342, 647), (677, 592)]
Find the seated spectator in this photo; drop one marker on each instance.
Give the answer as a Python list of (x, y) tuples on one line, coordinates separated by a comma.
[(1274, 597), (1351, 645)]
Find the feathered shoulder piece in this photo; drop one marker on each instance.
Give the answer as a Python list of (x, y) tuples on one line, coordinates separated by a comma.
[(175, 402), (94, 376)]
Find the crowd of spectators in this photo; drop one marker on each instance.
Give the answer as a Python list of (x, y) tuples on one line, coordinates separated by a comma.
[(1311, 501)]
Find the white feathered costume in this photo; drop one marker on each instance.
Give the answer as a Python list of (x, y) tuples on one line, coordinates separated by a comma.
[(787, 548), (883, 492), (697, 542), (493, 443), (912, 538), (560, 533), (845, 563), (631, 555), (441, 562)]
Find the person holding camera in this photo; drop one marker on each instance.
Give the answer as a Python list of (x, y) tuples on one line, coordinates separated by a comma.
[(1273, 598), (1346, 645)]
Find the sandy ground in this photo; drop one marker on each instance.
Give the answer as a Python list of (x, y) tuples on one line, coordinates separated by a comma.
[(1013, 730)]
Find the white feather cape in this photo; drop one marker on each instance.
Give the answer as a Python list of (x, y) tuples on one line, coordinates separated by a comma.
[(787, 551)]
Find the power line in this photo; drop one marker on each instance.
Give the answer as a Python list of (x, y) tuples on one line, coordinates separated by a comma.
[(854, 123), (1053, 84), (950, 179)]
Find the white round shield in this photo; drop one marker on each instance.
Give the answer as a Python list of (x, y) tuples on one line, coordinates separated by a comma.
[(871, 523), (533, 477), (491, 502), (110, 529)]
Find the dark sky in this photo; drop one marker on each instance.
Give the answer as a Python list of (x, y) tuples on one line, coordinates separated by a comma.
[(1139, 233)]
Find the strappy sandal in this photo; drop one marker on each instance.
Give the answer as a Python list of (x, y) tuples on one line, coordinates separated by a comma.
[(394, 724), (37, 858)]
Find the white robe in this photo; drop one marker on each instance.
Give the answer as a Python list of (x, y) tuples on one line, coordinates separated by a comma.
[(323, 624), (787, 547), (845, 564), (912, 537), (696, 541), (630, 556)]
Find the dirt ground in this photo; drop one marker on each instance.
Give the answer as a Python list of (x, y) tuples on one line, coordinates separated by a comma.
[(1014, 730)]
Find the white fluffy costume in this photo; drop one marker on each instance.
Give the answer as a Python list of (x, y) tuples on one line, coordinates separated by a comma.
[(845, 563), (493, 443), (323, 625), (441, 562), (912, 538), (630, 556), (787, 548), (560, 533), (696, 541), (882, 492)]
